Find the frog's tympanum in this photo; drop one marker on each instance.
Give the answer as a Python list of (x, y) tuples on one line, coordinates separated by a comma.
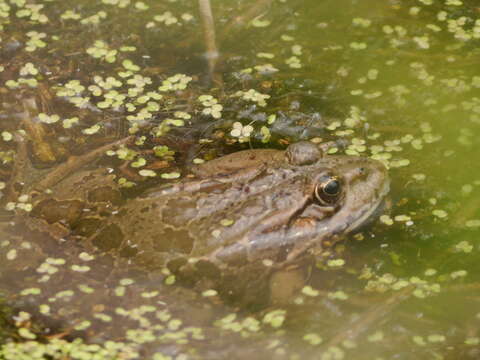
[(238, 216)]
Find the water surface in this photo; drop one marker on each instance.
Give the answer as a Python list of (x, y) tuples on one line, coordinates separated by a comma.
[(398, 80)]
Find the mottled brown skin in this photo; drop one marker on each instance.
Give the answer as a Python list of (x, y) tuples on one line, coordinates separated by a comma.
[(258, 209), (241, 210)]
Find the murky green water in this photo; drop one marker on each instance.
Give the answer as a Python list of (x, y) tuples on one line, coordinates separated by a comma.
[(398, 79)]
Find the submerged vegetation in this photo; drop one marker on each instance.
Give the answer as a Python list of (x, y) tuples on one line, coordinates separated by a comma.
[(126, 85)]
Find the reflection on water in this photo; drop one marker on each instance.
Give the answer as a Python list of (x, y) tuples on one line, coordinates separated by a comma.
[(399, 80)]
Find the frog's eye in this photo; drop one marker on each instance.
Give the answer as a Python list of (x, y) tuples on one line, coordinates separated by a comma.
[(328, 190)]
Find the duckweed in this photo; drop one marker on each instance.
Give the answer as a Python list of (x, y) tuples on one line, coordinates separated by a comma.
[(309, 291), (126, 88), (275, 318), (313, 339)]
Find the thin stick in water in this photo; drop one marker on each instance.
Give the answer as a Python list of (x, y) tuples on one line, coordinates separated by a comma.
[(209, 35)]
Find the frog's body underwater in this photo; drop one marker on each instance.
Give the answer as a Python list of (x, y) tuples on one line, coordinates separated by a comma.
[(241, 215)]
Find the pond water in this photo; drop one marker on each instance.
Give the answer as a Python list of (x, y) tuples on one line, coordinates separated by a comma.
[(124, 85)]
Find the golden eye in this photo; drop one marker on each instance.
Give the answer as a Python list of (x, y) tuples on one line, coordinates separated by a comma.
[(328, 190)]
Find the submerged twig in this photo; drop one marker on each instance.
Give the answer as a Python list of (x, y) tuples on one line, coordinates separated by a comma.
[(369, 317), (74, 163), (210, 43)]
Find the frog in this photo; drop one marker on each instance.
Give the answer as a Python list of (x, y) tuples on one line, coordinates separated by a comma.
[(233, 221)]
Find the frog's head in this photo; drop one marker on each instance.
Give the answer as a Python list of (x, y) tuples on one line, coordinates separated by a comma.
[(352, 190), (269, 204), (315, 200), (344, 193)]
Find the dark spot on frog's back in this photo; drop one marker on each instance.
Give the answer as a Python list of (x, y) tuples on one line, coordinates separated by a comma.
[(55, 211), (172, 240), (176, 264), (105, 194), (178, 211), (128, 251), (86, 226), (111, 237), (208, 269)]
